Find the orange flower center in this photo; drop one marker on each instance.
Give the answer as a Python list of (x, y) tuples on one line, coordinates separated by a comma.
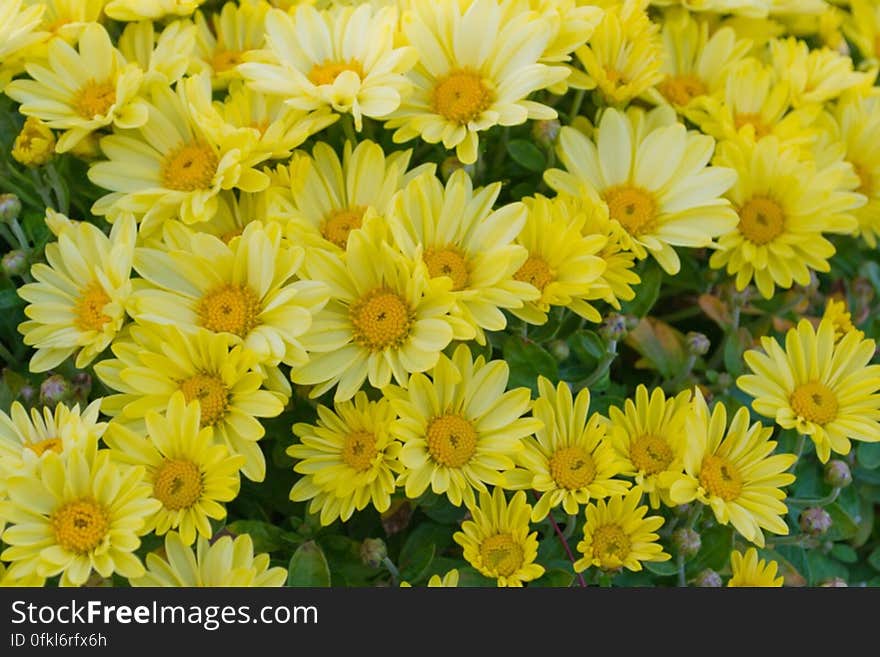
[(380, 319), (535, 271), (178, 484), (452, 440), (80, 525), (89, 309), (359, 450), (448, 261), (611, 545), (632, 207), (572, 467), (94, 99), (339, 224), (48, 445), (189, 167), (501, 554), (212, 395), (720, 478), (814, 401), (461, 96), (229, 308), (650, 454), (327, 72), (761, 220), (682, 89)]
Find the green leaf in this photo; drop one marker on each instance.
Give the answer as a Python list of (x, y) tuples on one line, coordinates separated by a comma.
[(647, 292), (874, 559), (527, 361), (734, 345), (10, 299), (526, 154), (716, 544), (588, 346), (663, 568), (843, 526), (266, 537), (470, 577), (556, 578), (868, 455), (308, 566), (823, 568), (419, 549), (843, 552)]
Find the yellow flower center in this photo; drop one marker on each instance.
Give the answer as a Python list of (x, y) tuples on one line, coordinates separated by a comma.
[(448, 261), (866, 180), (535, 271), (461, 96), (80, 525), (814, 401), (611, 545), (761, 220), (339, 224), (229, 308), (189, 167), (327, 72), (41, 447), (225, 60), (89, 308), (650, 454), (681, 89), (572, 467), (94, 99), (452, 440), (754, 120), (381, 319), (359, 450), (178, 484), (211, 393), (720, 478), (634, 208), (501, 554)]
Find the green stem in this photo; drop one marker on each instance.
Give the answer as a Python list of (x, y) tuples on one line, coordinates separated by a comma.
[(602, 367), (684, 313), (682, 578), (40, 187), (395, 574), (59, 188), (348, 129), (20, 237), (683, 373), (576, 104), (7, 355), (581, 581), (815, 501), (798, 451)]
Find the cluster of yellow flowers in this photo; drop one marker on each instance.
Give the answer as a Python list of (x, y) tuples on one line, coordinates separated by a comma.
[(242, 271)]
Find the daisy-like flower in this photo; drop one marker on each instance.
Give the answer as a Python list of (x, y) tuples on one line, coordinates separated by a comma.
[(234, 213), (569, 461), (79, 513), (862, 27), (224, 38), (822, 388), (80, 91), (497, 541), (35, 144), (477, 66), (573, 24), (648, 436), (562, 263), (460, 429), (18, 30), (65, 19), (784, 205), (8, 578), (348, 459), (164, 57), (837, 312), (190, 474), (342, 58), (329, 198), (246, 290), (750, 571), (156, 361), (172, 166), (227, 562), (386, 318), (77, 304), (734, 471), (458, 235), (651, 173), (139, 10), (618, 534)]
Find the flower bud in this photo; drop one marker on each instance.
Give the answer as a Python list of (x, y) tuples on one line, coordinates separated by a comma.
[(373, 552), (697, 343), (815, 521), (35, 144), (27, 395), (82, 385), (54, 389), (837, 474), (14, 263), (545, 132), (10, 207), (686, 542), (560, 350), (834, 583), (614, 327), (452, 164), (708, 578)]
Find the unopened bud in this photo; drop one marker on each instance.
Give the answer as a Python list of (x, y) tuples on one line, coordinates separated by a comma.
[(697, 343), (686, 541), (834, 583), (373, 552), (560, 350), (14, 263), (10, 207), (54, 389), (614, 327), (707, 579), (28, 394), (452, 164), (35, 144), (82, 385), (815, 521), (546, 132), (837, 474)]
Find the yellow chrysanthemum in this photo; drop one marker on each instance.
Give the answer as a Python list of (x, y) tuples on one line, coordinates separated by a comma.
[(386, 318), (459, 428), (648, 436), (821, 388), (80, 91), (625, 53), (348, 460), (227, 562), (750, 571), (477, 66), (749, 8), (497, 541), (154, 362), (18, 30), (139, 10), (617, 534), (458, 235), (79, 512), (246, 289), (573, 23), (190, 475), (784, 206), (34, 145), (342, 58), (223, 38), (9, 579), (652, 174), (734, 470), (234, 213), (164, 55), (172, 166), (77, 304), (837, 312), (862, 27), (329, 198)]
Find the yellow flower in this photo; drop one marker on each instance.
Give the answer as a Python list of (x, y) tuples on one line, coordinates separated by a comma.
[(342, 58), (227, 561), (386, 318), (477, 66), (569, 461), (348, 460), (617, 534), (648, 436), (458, 235), (224, 38), (750, 571), (822, 388), (837, 312), (651, 173), (164, 57), (449, 580), (734, 471), (190, 475), (35, 144), (66, 19), (8, 578), (459, 428), (155, 361), (79, 512), (497, 541), (862, 27), (77, 304), (18, 30), (138, 10), (784, 206)]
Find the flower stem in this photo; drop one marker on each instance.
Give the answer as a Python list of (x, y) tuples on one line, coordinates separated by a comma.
[(602, 367), (582, 582), (395, 574), (816, 501), (576, 104), (59, 188)]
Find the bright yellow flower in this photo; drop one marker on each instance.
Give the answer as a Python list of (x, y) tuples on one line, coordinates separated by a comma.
[(822, 388), (18, 30), (497, 541), (164, 57), (138, 10), (224, 37), (750, 571), (838, 313), (8, 578), (35, 144), (862, 27)]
